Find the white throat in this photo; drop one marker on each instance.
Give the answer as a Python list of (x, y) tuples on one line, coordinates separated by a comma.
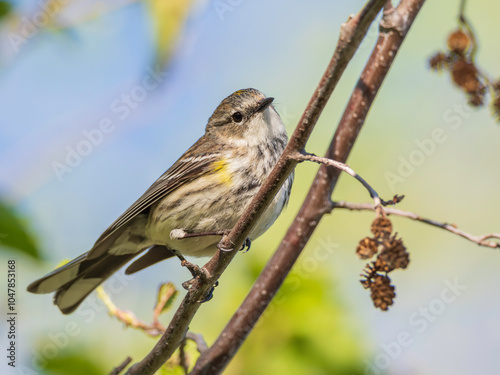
[(262, 128)]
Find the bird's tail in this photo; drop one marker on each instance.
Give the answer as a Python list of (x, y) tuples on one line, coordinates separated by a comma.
[(77, 279)]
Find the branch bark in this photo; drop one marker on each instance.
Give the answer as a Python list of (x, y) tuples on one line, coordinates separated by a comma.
[(482, 240), (351, 34), (394, 27), (121, 366)]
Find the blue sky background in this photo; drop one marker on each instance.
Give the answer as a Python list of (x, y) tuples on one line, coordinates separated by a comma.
[(64, 83)]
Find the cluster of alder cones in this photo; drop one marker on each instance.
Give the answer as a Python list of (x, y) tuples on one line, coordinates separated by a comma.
[(459, 62), (391, 255)]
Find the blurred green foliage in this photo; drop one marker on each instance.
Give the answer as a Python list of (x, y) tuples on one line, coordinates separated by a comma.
[(303, 331), (173, 365), (13, 233), (5, 9), (74, 361), (307, 329)]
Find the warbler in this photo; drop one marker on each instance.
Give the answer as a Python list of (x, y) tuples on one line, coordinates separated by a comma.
[(205, 191)]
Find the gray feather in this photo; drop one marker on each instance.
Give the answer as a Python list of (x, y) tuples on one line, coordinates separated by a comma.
[(154, 255)]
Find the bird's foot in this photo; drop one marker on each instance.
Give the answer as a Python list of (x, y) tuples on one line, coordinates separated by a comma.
[(196, 271), (246, 245), (180, 234), (208, 296)]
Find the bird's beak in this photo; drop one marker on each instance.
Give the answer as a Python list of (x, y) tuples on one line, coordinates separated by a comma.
[(264, 103)]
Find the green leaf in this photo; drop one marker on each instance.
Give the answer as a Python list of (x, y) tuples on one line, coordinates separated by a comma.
[(168, 19), (13, 233), (5, 9), (173, 364), (166, 296)]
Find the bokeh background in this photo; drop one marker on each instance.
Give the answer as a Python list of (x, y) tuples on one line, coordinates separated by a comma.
[(151, 72)]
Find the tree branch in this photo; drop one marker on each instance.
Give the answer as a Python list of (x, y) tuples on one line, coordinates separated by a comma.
[(396, 24), (121, 366), (351, 34), (201, 345), (129, 319), (345, 168), (480, 240)]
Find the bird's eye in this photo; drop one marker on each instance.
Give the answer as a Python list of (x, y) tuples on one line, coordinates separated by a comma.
[(237, 117)]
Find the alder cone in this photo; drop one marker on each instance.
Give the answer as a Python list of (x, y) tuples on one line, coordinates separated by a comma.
[(367, 248), (383, 293), (381, 228)]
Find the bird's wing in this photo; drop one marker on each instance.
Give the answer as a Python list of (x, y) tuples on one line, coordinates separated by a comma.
[(184, 170)]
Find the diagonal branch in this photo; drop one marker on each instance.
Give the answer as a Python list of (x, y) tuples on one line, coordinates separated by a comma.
[(351, 34), (394, 27), (482, 240), (121, 366)]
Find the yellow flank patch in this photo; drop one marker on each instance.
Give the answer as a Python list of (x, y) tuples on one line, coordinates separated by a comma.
[(221, 170)]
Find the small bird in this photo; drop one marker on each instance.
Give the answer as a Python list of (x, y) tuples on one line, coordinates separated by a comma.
[(204, 192)]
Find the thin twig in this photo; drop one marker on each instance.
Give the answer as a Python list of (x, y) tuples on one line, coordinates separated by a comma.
[(350, 38), (154, 329), (182, 357), (201, 345), (302, 156), (128, 318), (461, 11), (317, 202), (480, 240), (462, 20), (121, 367)]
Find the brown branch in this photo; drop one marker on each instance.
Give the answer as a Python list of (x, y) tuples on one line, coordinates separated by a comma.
[(480, 240), (395, 25), (121, 366), (351, 34)]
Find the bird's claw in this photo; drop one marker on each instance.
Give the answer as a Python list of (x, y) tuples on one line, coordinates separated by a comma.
[(196, 271), (246, 245), (210, 294)]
